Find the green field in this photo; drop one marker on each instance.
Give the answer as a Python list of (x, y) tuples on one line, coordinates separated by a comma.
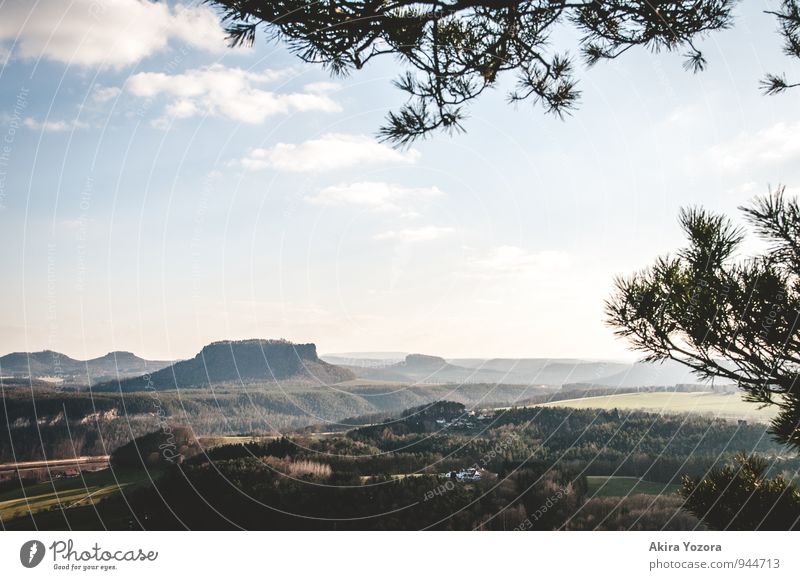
[(726, 406), (614, 486), (70, 492)]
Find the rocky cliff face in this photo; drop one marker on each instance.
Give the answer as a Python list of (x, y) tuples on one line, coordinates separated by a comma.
[(242, 361)]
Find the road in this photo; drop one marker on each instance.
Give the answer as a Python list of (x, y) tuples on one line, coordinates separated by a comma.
[(58, 464)]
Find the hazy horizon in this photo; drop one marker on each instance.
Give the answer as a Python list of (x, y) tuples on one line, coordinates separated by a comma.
[(378, 355)]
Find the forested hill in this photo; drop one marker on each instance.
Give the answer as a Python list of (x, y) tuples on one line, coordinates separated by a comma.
[(73, 372), (245, 361)]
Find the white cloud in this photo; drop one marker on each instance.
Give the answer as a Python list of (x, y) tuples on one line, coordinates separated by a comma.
[(423, 234), (747, 188), (182, 109), (322, 87), (776, 144), (110, 33), (101, 94), (374, 195), (48, 125), (227, 92), (515, 261), (328, 152)]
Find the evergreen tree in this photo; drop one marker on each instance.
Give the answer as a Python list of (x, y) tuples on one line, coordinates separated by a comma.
[(454, 50), (740, 496), (457, 49), (728, 319)]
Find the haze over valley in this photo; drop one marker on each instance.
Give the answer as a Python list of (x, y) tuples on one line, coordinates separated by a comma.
[(261, 360), (62, 407)]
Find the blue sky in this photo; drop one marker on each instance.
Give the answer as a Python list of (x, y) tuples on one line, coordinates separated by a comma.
[(160, 191)]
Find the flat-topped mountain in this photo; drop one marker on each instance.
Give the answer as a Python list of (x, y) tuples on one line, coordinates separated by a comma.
[(241, 361), (278, 360), (426, 369), (424, 362)]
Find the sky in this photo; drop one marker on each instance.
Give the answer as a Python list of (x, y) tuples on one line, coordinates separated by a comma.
[(160, 190)]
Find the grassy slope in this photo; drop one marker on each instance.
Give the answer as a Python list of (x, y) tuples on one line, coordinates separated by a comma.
[(70, 492), (718, 405)]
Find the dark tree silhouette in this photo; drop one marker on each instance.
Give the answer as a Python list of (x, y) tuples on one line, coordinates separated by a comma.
[(728, 318), (740, 496), (456, 49), (789, 28)]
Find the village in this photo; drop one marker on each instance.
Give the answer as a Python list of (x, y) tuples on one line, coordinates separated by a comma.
[(465, 474), (468, 421)]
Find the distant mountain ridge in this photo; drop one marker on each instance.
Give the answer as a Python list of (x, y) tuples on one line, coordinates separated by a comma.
[(424, 369), (240, 361), (565, 372), (278, 360), (643, 374), (49, 363)]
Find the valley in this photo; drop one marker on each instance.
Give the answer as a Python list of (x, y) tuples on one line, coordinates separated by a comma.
[(608, 471), (261, 411)]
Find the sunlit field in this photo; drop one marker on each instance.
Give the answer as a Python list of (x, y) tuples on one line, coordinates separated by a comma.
[(724, 406)]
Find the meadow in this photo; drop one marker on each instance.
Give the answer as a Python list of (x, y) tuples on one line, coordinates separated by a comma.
[(717, 405), (71, 492)]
